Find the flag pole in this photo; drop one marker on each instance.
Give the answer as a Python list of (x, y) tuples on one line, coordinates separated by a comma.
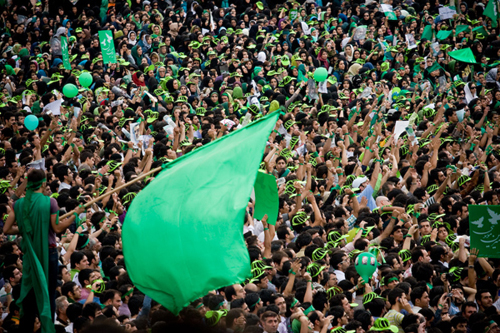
[(115, 190)]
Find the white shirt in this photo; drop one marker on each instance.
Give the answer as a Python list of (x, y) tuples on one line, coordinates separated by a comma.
[(340, 275), (64, 186)]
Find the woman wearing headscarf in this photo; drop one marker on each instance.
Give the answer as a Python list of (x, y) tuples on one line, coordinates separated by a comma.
[(138, 79), (340, 69), (136, 55), (470, 90), (132, 38), (348, 52), (145, 43)]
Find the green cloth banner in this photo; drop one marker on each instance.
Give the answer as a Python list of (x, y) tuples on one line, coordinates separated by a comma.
[(491, 11), (461, 28), (266, 198), (391, 16), (183, 234), (463, 55), (107, 47), (65, 53), (443, 34), (484, 230), (427, 34), (481, 30)]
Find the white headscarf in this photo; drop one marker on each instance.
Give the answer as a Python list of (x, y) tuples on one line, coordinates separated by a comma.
[(132, 41), (468, 95)]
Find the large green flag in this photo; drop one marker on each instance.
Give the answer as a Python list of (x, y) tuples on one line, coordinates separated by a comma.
[(266, 198), (491, 11), (484, 230), (443, 34), (427, 34), (107, 46), (461, 28), (463, 55), (65, 53), (183, 234)]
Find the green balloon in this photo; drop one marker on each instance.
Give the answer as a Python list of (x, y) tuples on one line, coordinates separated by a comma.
[(70, 90), (85, 79), (320, 74), (366, 264), (31, 122)]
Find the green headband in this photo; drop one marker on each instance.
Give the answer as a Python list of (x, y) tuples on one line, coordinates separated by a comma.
[(295, 301), (128, 293), (35, 185), (308, 310)]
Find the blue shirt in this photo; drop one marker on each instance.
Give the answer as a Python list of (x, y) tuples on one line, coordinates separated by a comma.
[(368, 193)]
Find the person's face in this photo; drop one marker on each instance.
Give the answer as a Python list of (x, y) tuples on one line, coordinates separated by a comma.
[(270, 324), (77, 292), (84, 263), (486, 300), (469, 310), (281, 304), (425, 228), (424, 300), (240, 291), (117, 301), (398, 235), (17, 276), (281, 165), (425, 258), (240, 322)]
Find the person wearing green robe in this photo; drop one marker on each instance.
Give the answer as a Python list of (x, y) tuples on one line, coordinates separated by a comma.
[(37, 217)]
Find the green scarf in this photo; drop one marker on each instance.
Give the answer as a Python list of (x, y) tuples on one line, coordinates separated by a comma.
[(33, 218)]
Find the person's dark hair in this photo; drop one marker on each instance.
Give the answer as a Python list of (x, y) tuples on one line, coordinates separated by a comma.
[(67, 288), (417, 293), (303, 239), (337, 312), (237, 303), (75, 258), (232, 315), (364, 318), (90, 309), (394, 294), (375, 306), (135, 304), (422, 271), (73, 311)]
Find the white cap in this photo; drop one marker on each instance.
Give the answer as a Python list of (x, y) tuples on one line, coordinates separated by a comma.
[(358, 181)]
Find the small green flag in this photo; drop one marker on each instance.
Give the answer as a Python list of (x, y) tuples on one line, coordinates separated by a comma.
[(65, 53), (463, 55), (427, 34), (491, 11), (443, 34), (183, 234), (107, 46), (481, 30), (461, 28), (266, 198), (391, 16), (484, 230)]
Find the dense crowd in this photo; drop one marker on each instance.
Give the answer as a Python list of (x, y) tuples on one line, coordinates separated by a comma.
[(383, 155)]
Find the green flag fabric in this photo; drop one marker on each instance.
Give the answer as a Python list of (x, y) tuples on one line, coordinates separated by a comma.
[(491, 11), (463, 55), (266, 198), (107, 47), (443, 34), (484, 230), (461, 28), (481, 30), (427, 34), (65, 53), (182, 236)]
